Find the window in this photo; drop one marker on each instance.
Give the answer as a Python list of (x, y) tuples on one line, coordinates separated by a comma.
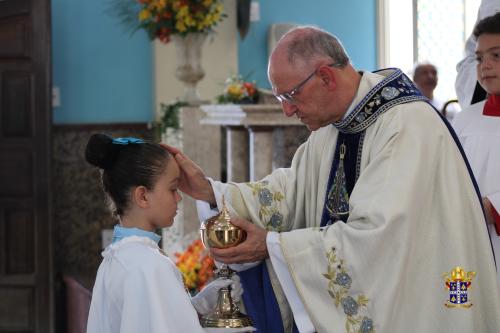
[(419, 30)]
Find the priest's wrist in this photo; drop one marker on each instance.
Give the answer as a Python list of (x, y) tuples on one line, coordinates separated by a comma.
[(209, 195)]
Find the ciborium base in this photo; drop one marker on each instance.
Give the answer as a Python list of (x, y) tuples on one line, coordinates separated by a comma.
[(237, 320), (227, 313)]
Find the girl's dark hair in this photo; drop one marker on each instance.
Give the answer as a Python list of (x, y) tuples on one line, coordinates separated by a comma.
[(125, 166), (488, 25)]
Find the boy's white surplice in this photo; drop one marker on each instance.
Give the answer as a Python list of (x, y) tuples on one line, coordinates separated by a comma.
[(138, 289), (414, 215)]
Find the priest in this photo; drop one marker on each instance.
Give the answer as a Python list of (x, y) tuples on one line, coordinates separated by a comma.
[(377, 225)]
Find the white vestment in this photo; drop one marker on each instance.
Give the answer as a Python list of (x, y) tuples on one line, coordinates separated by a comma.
[(480, 137), (138, 289), (414, 215)]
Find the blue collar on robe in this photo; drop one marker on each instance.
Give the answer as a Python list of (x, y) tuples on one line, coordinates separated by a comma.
[(120, 233), (396, 88)]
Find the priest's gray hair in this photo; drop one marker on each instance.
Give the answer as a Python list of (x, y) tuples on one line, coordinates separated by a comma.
[(314, 42)]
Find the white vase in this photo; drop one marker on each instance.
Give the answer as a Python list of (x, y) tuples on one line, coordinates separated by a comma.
[(189, 70)]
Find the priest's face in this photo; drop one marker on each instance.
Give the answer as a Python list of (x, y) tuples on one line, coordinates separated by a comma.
[(488, 62), (302, 92)]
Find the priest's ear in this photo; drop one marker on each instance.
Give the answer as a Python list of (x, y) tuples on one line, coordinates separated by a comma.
[(327, 75), (140, 196)]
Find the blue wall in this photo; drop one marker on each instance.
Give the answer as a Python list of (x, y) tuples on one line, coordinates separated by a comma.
[(354, 22), (104, 75)]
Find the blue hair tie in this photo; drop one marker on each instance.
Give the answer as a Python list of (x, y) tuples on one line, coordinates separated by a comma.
[(126, 141)]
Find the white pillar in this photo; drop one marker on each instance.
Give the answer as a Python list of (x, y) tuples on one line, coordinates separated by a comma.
[(237, 154), (261, 151)]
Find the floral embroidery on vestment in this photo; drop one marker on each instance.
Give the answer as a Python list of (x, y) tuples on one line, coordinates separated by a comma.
[(354, 306), (268, 201)]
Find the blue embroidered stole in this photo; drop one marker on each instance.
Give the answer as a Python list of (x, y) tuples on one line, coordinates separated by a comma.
[(259, 298), (395, 89), (343, 175)]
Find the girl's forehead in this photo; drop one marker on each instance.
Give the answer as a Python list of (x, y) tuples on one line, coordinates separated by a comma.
[(172, 168)]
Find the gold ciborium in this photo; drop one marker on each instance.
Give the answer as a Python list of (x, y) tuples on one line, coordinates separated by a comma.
[(219, 232)]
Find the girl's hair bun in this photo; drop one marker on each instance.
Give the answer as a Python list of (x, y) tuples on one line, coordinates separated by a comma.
[(101, 151)]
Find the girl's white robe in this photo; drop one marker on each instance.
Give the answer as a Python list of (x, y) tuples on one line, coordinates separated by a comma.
[(138, 289)]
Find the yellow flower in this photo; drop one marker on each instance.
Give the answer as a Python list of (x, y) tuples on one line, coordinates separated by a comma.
[(208, 19), (144, 15), (161, 4), (188, 21), (235, 90), (219, 8), (216, 16), (180, 26), (183, 11)]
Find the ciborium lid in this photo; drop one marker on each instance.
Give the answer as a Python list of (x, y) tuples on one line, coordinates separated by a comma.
[(219, 232)]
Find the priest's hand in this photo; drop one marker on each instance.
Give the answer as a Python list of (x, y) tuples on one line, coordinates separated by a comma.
[(192, 180), (254, 248)]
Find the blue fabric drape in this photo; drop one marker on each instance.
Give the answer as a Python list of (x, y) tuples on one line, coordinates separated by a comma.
[(260, 302)]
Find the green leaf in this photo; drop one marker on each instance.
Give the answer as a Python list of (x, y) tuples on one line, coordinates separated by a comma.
[(125, 11)]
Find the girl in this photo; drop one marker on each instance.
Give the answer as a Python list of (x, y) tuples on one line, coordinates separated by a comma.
[(138, 288)]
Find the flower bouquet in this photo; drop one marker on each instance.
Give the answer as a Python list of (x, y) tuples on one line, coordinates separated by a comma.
[(238, 91), (163, 18), (196, 266)]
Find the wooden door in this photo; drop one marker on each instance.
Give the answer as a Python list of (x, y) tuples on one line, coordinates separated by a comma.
[(25, 121)]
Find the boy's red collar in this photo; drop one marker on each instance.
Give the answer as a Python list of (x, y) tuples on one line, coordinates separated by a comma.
[(492, 106)]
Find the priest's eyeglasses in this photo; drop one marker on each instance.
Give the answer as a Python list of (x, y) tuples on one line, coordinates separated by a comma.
[(289, 95)]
